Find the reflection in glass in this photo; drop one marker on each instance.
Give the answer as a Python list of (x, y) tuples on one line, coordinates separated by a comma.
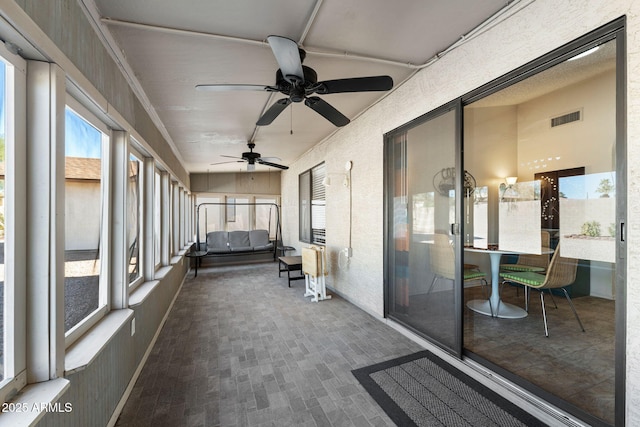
[(422, 207)]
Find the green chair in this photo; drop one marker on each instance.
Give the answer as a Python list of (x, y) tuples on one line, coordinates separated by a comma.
[(561, 273)]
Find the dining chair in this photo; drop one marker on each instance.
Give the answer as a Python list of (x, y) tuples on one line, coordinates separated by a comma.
[(442, 262), (561, 273), (530, 262)]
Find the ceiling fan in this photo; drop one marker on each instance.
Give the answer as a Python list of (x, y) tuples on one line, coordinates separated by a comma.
[(252, 158), (300, 82)]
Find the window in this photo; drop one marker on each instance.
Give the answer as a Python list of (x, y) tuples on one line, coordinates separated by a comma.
[(85, 291), (267, 216), (312, 205), (157, 218), (134, 219), (3, 301), (238, 215)]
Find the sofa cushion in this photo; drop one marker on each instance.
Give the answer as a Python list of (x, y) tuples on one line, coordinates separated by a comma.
[(217, 242), (239, 241), (259, 240)]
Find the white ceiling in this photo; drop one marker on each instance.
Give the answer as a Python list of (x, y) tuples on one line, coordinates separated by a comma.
[(171, 46)]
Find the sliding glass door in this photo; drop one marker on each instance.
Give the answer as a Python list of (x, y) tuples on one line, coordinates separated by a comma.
[(505, 238), (422, 223), (545, 147)]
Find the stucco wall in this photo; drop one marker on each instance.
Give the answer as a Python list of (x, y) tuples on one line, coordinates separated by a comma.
[(539, 28)]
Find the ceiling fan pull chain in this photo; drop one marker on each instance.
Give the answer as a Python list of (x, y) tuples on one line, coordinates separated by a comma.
[(291, 127)]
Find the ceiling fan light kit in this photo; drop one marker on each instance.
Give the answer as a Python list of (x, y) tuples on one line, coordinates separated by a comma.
[(299, 82)]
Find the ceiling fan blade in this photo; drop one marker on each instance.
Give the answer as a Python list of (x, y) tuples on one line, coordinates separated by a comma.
[(226, 88), (273, 112), (231, 157), (356, 84), (288, 56), (271, 159), (224, 163), (274, 165), (323, 108)]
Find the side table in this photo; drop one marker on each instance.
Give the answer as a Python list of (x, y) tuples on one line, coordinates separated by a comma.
[(197, 255)]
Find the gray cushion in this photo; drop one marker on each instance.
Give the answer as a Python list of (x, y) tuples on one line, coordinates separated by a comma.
[(258, 238), (239, 241), (217, 241), (263, 247)]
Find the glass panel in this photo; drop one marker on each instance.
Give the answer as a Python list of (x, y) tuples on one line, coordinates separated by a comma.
[(237, 214), (267, 217), (480, 220), (421, 211), (83, 216), (209, 216), (134, 217), (304, 215), (157, 218), (318, 205), (519, 214), (3, 118), (545, 149)]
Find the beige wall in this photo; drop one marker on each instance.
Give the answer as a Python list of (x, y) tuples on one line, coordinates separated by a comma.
[(82, 215), (236, 183), (537, 29), (587, 143)]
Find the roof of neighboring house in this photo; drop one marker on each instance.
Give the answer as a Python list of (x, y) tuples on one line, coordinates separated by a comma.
[(76, 168), (82, 168)]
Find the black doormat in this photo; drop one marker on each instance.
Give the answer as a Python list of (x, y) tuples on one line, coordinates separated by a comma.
[(422, 390)]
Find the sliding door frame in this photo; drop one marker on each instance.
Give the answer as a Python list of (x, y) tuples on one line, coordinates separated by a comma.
[(609, 32), (455, 228), (616, 30)]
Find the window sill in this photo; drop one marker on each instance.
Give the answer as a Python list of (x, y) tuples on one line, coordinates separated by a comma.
[(141, 293), (34, 401), (162, 272), (87, 348)]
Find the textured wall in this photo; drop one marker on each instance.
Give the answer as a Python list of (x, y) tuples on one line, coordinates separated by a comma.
[(539, 28)]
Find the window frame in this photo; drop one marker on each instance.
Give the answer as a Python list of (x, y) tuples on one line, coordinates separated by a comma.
[(104, 295), (157, 218), (15, 188), (316, 176), (140, 158)]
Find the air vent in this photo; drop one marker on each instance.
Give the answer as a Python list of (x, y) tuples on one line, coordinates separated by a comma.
[(566, 118)]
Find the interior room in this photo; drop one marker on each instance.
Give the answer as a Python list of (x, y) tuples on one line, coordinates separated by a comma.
[(220, 213)]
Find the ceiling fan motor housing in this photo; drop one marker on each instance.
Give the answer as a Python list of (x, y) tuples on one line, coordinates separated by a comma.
[(297, 90), (250, 156)]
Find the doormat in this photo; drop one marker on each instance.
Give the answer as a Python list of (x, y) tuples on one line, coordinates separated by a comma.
[(422, 390)]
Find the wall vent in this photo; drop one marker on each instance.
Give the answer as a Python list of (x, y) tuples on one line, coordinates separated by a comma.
[(566, 118)]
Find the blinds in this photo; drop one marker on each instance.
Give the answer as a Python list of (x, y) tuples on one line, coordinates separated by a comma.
[(312, 205), (318, 215)]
